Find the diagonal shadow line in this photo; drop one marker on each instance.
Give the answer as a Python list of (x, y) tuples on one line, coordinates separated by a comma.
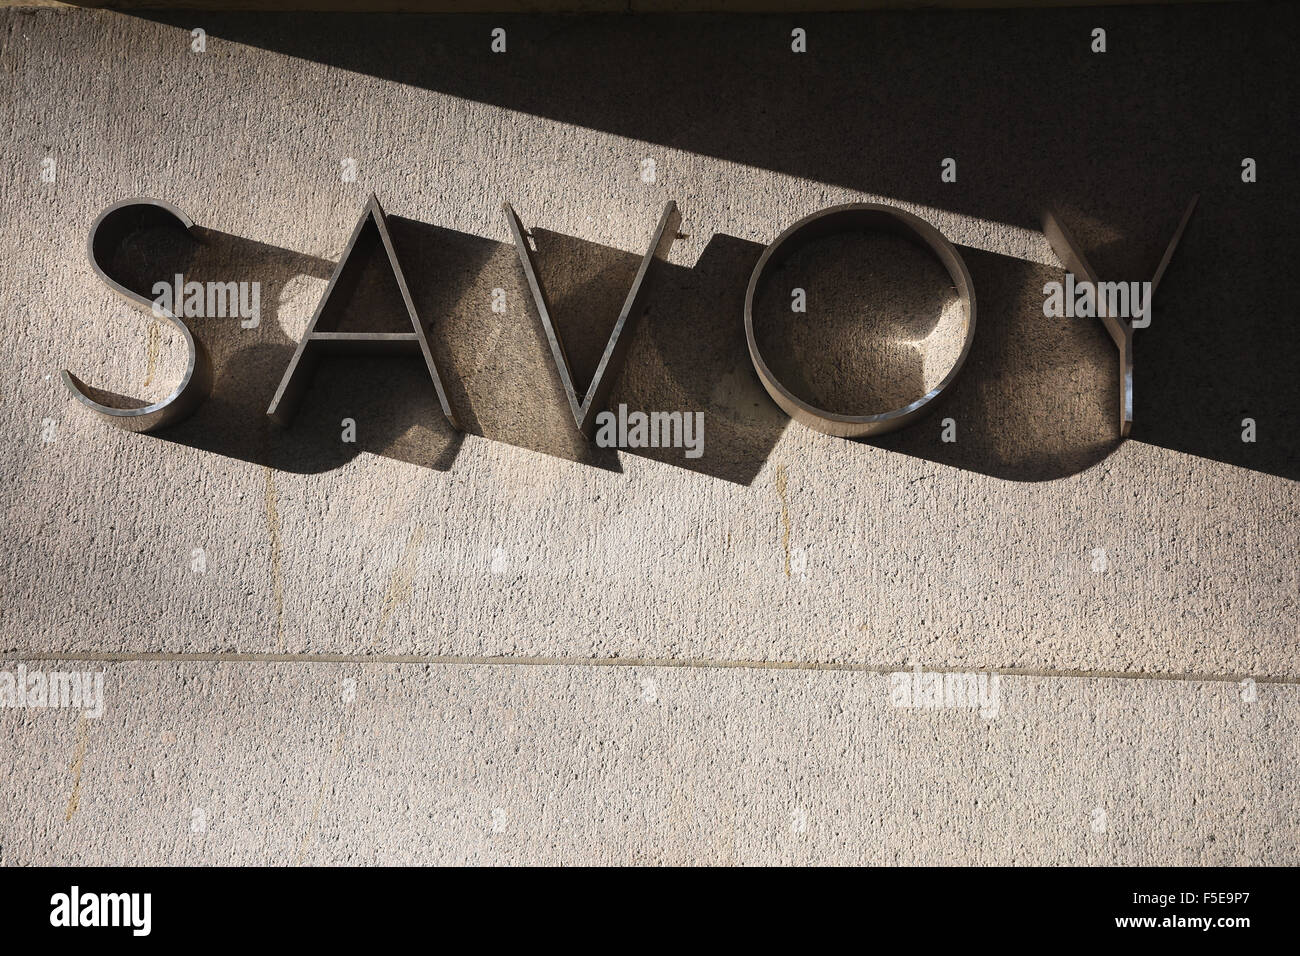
[(874, 105)]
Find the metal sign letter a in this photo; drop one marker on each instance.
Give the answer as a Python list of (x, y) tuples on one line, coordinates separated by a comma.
[(315, 343)]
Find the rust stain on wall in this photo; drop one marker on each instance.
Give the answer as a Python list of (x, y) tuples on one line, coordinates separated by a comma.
[(277, 575), (151, 366), (399, 585), (782, 480), (78, 761)]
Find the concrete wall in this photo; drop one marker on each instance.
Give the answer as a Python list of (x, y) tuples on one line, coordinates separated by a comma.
[(641, 657)]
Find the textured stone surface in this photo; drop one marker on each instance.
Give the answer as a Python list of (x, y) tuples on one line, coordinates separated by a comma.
[(483, 764), (519, 541)]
